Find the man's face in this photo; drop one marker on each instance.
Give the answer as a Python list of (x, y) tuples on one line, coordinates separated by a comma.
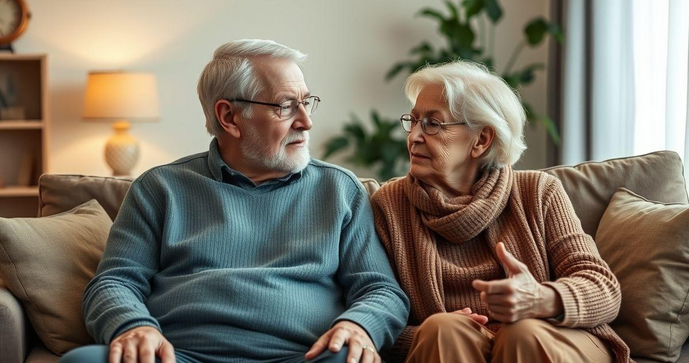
[(269, 142)]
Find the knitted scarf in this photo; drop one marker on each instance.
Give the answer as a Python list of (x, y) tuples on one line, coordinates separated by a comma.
[(458, 220)]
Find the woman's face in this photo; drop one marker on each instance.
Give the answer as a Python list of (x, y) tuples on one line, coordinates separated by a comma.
[(437, 159)]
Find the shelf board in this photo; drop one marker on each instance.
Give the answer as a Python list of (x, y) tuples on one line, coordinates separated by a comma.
[(20, 124), (17, 191)]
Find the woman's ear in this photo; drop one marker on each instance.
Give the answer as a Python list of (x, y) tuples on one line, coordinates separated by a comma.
[(483, 142), (226, 113)]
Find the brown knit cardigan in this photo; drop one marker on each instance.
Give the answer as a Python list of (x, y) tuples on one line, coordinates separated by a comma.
[(527, 210)]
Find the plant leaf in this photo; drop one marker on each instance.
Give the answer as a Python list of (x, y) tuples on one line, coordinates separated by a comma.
[(356, 131), (397, 68), (535, 31), (556, 31), (376, 118), (493, 10), (527, 74), (453, 9), (422, 48), (334, 145), (473, 7), (432, 13), (551, 129)]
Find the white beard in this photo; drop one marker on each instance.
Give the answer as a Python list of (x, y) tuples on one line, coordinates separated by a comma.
[(259, 154)]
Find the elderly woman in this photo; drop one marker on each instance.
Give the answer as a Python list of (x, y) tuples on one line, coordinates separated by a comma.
[(495, 262)]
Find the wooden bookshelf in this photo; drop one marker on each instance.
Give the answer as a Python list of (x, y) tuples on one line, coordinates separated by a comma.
[(24, 126)]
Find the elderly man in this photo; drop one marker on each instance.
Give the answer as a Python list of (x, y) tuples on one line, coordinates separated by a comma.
[(251, 251)]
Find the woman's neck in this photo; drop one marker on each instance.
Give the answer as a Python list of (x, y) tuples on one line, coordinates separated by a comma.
[(458, 182)]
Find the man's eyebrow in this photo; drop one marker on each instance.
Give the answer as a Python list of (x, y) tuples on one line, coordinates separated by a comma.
[(289, 96)]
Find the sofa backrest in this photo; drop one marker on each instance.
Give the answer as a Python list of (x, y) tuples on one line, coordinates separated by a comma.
[(657, 176), (61, 192)]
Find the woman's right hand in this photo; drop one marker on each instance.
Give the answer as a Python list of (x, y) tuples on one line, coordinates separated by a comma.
[(481, 319)]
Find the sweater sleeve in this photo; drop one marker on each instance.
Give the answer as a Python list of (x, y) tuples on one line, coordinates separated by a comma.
[(374, 299), (114, 301), (589, 290)]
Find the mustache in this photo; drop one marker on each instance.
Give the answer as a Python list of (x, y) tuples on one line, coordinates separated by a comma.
[(296, 136)]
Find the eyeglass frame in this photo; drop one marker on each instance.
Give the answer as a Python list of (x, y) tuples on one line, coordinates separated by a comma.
[(424, 123), (279, 105)]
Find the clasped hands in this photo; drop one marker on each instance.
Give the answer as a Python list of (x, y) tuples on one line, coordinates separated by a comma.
[(517, 297)]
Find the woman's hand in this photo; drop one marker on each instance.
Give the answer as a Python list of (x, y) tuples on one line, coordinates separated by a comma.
[(519, 296), (481, 319)]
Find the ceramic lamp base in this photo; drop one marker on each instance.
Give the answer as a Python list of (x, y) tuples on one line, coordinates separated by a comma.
[(121, 150)]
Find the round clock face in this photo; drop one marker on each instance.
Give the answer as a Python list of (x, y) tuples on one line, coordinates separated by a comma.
[(13, 18)]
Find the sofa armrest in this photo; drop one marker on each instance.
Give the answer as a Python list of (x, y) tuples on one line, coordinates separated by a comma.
[(13, 334)]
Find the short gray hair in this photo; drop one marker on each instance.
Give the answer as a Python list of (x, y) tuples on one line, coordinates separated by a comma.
[(230, 74), (479, 98)]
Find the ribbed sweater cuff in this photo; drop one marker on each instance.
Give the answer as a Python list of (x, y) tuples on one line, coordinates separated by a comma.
[(569, 305)]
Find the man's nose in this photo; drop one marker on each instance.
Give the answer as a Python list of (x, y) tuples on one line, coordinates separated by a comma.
[(302, 120)]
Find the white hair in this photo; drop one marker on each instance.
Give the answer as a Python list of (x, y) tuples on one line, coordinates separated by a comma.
[(479, 98), (230, 75)]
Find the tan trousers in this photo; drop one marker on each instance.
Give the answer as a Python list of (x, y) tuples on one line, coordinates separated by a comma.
[(454, 338)]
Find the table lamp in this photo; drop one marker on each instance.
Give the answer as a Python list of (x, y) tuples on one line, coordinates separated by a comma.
[(121, 97)]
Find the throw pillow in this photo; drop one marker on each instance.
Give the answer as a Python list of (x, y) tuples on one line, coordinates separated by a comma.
[(646, 244), (47, 262)]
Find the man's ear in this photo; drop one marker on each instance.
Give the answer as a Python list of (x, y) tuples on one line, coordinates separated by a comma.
[(483, 142), (226, 113)]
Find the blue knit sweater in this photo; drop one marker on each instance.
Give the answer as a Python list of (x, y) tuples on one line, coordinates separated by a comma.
[(226, 269)]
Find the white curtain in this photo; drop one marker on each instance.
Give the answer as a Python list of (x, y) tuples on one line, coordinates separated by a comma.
[(638, 91)]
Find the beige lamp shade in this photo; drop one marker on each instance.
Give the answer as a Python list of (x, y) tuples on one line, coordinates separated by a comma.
[(121, 97)]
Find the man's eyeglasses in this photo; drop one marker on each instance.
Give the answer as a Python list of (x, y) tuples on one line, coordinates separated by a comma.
[(429, 125), (288, 109)]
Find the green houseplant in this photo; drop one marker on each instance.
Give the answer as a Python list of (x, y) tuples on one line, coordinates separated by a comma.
[(467, 36)]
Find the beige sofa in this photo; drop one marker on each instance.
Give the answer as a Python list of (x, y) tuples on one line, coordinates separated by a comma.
[(656, 176)]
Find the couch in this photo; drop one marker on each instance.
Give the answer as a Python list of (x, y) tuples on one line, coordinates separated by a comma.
[(657, 176)]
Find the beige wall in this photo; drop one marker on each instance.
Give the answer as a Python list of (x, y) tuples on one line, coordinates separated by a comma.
[(351, 45)]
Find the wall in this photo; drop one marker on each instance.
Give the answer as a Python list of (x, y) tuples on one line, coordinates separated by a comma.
[(351, 45)]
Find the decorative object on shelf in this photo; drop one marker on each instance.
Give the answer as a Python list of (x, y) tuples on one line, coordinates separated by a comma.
[(14, 17), (10, 109), (121, 97)]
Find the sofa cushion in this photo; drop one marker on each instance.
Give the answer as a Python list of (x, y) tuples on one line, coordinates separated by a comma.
[(590, 186), (47, 262), (646, 245), (59, 193)]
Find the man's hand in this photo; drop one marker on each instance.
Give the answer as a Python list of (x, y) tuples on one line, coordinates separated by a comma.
[(141, 344), (519, 296), (361, 348), (481, 319)]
